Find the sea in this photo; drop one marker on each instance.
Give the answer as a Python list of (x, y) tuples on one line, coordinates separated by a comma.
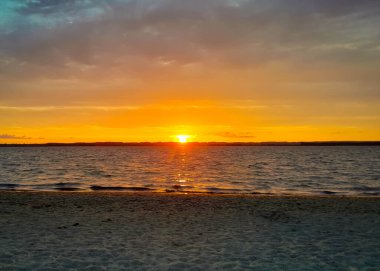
[(272, 170)]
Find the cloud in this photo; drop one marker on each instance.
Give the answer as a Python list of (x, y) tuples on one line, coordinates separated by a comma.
[(232, 135), (9, 136), (46, 7), (132, 44), (6, 136), (240, 33)]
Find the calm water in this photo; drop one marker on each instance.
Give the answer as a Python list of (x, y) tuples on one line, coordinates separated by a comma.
[(279, 170)]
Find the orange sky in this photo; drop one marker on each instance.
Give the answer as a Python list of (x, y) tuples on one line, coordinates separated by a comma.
[(216, 70)]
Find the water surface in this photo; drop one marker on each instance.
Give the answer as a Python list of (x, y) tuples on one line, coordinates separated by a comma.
[(314, 170)]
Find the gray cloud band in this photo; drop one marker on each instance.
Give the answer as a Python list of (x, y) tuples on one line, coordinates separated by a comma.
[(76, 39)]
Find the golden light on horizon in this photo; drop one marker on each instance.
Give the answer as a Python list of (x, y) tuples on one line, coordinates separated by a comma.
[(182, 138)]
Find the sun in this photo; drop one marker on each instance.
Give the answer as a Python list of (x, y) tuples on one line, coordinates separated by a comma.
[(182, 138)]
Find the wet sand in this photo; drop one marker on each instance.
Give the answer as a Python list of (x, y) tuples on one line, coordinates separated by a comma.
[(154, 231)]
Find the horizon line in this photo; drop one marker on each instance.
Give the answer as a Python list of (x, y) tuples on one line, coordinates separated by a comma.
[(210, 143)]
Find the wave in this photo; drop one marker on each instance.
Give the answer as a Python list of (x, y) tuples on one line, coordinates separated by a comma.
[(8, 186), (328, 192), (366, 188), (119, 188), (68, 189)]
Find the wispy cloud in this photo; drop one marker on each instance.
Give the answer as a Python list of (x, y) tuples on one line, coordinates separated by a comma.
[(7, 136), (232, 135), (52, 108)]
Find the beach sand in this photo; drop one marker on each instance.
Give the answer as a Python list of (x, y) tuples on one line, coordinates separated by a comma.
[(154, 231)]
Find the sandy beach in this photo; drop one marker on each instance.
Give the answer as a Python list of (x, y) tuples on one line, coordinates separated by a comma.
[(158, 231)]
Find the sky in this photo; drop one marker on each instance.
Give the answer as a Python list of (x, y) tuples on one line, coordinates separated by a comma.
[(216, 70)]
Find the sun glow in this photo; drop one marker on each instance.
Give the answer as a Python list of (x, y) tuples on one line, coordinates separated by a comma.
[(182, 138)]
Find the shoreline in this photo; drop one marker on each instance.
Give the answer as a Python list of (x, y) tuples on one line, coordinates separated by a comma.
[(127, 192), (167, 231)]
